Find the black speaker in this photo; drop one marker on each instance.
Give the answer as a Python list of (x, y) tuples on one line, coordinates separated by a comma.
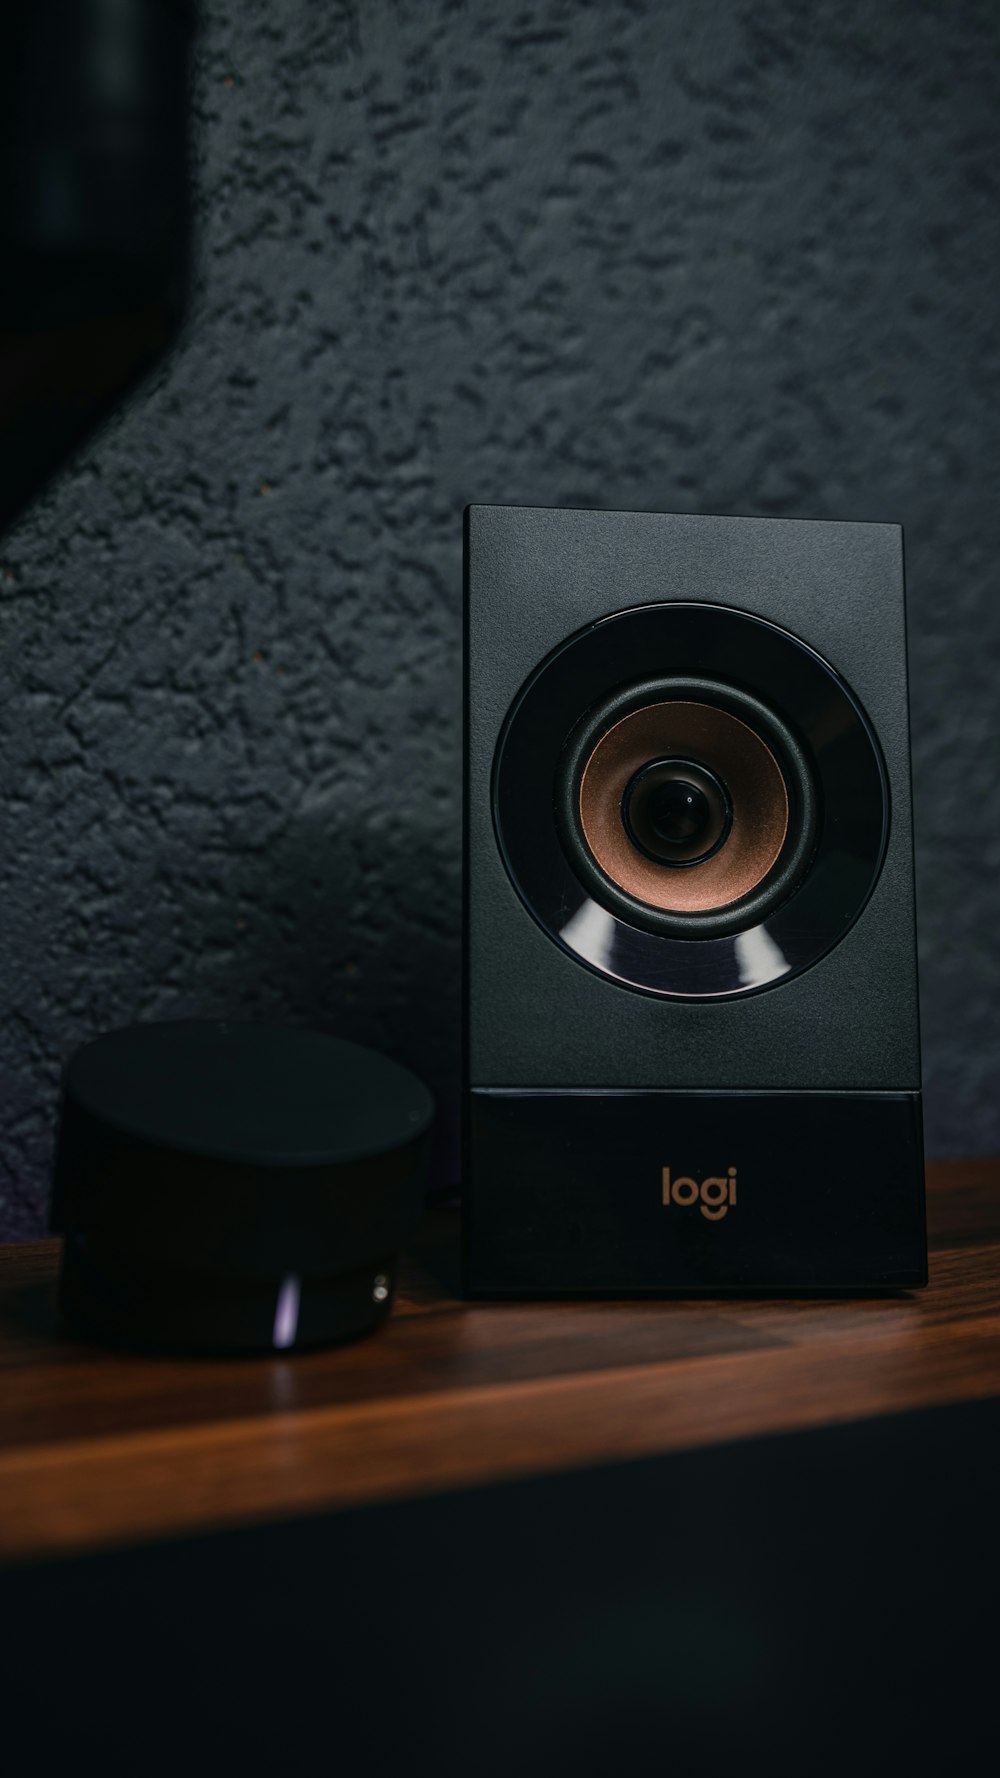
[(692, 1052)]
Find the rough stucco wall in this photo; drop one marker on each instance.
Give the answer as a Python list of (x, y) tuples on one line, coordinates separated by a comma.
[(689, 257)]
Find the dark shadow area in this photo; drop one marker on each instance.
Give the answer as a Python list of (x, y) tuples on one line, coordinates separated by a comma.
[(31, 1309), (437, 1247), (823, 1602)]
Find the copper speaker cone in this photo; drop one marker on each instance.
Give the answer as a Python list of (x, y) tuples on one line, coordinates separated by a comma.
[(736, 754)]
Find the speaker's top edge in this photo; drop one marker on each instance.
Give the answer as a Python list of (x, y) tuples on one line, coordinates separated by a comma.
[(475, 507)]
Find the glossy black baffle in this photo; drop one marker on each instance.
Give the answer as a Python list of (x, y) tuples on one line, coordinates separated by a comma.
[(225, 1185)]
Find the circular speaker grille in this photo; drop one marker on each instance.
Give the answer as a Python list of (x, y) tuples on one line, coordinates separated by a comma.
[(763, 890)]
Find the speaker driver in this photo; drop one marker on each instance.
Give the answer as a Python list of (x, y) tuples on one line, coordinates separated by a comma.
[(760, 857), (683, 806), (748, 777)]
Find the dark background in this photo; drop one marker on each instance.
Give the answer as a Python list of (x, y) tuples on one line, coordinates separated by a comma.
[(694, 257)]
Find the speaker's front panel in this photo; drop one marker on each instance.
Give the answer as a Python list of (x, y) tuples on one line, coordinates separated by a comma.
[(688, 816), (689, 874)]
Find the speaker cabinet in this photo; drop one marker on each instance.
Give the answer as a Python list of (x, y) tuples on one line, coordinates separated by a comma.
[(692, 1050)]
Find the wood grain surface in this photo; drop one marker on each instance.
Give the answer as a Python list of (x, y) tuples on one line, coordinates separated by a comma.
[(101, 1448)]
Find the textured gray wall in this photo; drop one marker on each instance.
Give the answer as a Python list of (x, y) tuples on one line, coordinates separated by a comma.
[(695, 256)]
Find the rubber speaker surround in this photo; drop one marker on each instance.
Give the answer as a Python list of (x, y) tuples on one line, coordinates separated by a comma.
[(830, 761)]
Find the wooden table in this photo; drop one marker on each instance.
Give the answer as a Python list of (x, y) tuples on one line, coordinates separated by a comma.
[(533, 1539), (99, 1449)]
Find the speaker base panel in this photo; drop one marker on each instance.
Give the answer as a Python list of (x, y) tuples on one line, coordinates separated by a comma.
[(616, 1193)]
